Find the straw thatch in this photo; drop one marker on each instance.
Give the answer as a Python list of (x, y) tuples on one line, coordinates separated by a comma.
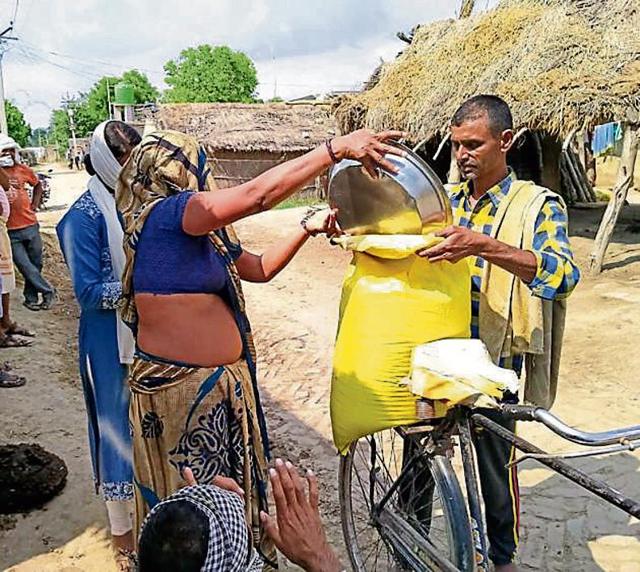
[(272, 128), (561, 65)]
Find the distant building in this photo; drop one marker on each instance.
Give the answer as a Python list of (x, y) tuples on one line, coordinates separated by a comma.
[(244, 140)]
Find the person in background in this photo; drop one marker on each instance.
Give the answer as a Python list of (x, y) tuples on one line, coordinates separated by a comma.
[(78, 159), (91, 237), (203, 527), (12, 335), (7, 283), (69, 157), (23, 227), (515, 236)]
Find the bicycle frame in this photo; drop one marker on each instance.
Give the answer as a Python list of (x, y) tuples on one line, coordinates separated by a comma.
[(462, 422), (466, 420), (394, 529)]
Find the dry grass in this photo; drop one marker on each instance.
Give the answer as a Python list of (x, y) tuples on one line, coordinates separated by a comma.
[(274, 127), (561, 64)]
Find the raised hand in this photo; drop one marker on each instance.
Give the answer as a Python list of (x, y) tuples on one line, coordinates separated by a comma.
[(369, 148)]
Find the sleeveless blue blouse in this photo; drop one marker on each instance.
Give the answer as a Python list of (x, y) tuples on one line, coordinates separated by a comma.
[(170, 261)]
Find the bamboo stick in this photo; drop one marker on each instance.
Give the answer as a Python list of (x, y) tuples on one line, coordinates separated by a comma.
[(625, 181), (567, 182)]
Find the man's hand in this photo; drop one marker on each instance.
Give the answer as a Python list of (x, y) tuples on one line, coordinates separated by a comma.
[(297, 529), (459, 242)]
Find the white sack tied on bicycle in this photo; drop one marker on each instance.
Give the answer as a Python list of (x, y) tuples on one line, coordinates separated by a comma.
[(458, 372)]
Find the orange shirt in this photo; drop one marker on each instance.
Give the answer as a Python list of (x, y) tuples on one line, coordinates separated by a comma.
[(22, 215)]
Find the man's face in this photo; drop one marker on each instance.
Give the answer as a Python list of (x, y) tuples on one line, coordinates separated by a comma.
[(478, 150)]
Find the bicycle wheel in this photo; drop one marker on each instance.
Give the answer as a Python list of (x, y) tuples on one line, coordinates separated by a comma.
[(423, 524)]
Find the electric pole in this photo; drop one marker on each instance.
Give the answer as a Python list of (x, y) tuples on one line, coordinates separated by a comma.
[(3, 48)]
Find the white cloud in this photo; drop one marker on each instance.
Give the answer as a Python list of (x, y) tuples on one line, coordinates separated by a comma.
[(309, 46)]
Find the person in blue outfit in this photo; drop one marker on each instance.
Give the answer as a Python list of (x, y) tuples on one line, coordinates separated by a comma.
[(90, 236)]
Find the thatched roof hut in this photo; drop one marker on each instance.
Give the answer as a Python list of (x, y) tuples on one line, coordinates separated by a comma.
[(269, 127), (561, 65), (244, 140)]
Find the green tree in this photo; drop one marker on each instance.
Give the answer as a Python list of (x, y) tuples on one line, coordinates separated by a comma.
[(19, 129), (38, 137), (210, 73), (59, 131), (91, 108)]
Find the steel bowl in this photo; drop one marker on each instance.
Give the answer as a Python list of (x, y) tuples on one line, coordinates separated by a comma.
[(411, 201)]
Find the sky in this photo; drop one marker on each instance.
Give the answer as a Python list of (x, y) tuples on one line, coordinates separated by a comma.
[(298, 47)]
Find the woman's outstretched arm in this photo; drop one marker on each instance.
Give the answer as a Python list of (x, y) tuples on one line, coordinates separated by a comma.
[(209, 211)]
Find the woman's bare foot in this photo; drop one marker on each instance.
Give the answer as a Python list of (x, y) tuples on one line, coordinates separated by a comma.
[(123, 547)]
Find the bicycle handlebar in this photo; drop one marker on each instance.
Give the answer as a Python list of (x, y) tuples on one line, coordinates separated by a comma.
[(559, 427)]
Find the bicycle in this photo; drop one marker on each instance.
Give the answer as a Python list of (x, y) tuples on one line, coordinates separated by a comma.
[(403, 507)]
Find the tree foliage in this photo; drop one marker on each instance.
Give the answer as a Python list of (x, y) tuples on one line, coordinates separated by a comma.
[(209, 74), (18, 127), (91, 108), (39, 136)]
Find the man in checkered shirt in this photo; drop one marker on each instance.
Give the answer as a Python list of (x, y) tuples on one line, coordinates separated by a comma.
[(481, 135)]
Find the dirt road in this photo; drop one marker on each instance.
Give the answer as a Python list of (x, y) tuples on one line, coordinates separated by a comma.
[(294, 319)]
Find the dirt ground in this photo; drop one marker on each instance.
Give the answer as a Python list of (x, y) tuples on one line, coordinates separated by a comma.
[(294, 319)]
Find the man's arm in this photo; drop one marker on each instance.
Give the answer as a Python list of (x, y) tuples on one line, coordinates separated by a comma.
[(556, 271), (548, 269), (460, 242), (297, 529), (37, 196)]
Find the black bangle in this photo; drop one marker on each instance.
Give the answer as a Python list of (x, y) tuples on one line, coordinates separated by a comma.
[(330, 151)]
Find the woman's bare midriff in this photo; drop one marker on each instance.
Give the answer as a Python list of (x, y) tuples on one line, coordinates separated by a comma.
[(197, 329)]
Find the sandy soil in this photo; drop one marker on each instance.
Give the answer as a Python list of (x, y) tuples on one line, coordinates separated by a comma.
[(294, 319)]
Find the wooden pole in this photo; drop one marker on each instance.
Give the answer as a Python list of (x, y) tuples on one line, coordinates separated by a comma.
[(466, 9), (624, 182), (567, 182), (580, 148)]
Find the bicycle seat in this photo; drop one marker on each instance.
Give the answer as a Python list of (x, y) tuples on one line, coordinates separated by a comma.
[(459, 372)]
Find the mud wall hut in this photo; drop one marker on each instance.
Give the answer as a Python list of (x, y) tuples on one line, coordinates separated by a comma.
[(564, 66), (244, 140)]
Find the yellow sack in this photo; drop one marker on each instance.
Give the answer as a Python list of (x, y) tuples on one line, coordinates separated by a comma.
[(389, 306)]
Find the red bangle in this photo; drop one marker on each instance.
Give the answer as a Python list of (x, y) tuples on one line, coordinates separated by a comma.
[(330, 151)]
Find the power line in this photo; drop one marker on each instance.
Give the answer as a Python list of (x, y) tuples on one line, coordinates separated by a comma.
[(88, 61), (33, 57), (15, 13)]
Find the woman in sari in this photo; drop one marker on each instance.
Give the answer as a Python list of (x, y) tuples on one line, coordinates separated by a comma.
[(90, 236), (194, 395)]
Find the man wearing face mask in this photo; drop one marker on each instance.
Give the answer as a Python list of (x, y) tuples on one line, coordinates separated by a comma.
[(24, 230)]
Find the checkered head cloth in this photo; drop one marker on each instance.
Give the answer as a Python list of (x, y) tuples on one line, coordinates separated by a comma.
[(229, 547)]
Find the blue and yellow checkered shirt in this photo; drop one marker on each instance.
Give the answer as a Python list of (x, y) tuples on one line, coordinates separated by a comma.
[(557, 273)]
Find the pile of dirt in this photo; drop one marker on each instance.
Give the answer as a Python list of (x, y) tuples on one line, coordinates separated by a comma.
[(29, 477)]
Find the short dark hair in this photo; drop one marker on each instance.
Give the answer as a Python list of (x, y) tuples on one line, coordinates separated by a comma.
[(175, 537), (496, 109), (120, 137)]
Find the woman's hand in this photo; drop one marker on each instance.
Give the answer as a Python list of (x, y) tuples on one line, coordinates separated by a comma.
[(321, 222), (369, 148)]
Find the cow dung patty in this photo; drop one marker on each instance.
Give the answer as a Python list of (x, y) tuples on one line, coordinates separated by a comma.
[(29, 477)]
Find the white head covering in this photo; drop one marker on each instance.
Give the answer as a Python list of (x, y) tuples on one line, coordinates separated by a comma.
[(7, 142), (107, 171)]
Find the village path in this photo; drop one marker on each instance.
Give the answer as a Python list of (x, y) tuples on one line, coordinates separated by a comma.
[(294, 320)]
